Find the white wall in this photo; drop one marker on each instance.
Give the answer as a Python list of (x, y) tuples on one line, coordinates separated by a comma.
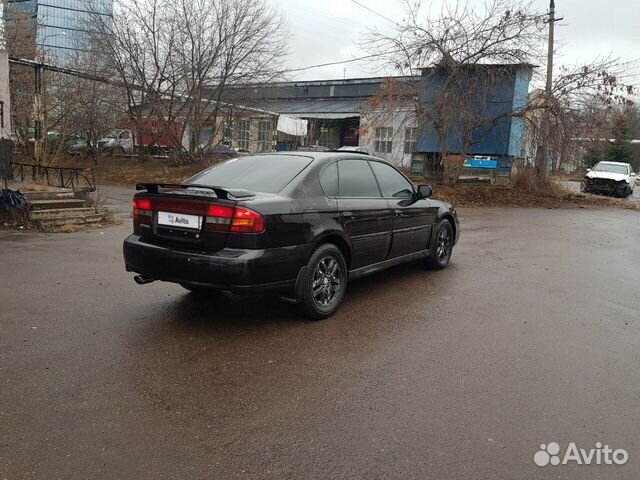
[(398, 119)]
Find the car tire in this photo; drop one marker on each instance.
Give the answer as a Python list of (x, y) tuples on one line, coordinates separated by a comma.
[(442, 247), (324, 282)]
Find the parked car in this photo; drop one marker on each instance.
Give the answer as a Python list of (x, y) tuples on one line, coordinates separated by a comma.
[(153, 137), (302, 225), (80, 146), (117, 141), (610, 178), (221, 150)]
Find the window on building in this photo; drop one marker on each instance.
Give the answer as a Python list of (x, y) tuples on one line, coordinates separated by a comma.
[(410, 140), (227, 132), (328, 137), (265, 135), (244, 129), (384, 140)]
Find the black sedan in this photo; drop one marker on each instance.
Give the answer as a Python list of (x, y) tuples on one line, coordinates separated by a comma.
[(297, 224)]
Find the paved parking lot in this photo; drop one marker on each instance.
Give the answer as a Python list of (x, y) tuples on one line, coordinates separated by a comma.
[(530, 336)]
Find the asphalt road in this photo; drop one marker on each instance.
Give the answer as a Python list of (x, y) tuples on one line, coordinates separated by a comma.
[(530, 336)]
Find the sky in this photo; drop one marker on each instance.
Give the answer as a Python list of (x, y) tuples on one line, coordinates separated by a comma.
[(324, 31)]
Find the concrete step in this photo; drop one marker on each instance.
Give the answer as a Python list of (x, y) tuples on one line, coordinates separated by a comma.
[(95, 218), (77, 220), (50, 195), (58, 203), (57, 213)]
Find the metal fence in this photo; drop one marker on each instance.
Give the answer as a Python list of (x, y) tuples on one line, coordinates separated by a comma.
[(77, 179)]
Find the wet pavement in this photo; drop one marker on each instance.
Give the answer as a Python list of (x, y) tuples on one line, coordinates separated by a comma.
[(531, 336)]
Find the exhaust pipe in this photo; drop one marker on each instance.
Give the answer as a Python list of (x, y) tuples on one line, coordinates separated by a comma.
[(141, 280)]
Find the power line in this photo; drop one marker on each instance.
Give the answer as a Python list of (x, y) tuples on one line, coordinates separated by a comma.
[(375, 13), (320, 65)]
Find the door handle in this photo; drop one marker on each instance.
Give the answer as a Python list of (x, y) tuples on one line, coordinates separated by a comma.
[(400, 213), (348, 215)]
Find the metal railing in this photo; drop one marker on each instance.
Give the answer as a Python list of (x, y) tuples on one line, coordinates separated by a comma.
[(77, 179)]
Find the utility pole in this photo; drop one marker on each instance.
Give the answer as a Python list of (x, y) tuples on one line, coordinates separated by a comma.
[(542, 160), (5, 95), (552, 22)]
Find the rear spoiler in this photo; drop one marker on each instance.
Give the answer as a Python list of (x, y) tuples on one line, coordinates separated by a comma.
[(220, 192)]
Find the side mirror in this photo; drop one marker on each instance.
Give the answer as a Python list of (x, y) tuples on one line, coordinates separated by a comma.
[(588, 169), (425, 191)]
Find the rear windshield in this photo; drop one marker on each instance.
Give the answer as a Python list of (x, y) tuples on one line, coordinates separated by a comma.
[(263, 173)]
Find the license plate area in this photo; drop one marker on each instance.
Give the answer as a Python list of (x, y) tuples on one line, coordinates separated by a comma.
[(179, 221)]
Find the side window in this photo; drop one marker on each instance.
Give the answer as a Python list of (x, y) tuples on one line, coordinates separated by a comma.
[(329, 180), (356, 179), (391, 182)]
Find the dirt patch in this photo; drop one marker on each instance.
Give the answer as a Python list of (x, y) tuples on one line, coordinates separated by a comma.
[(127, 170), (527, 191), (555, 197)]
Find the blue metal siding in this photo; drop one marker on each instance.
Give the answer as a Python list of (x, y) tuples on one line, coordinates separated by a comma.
[(507, 93), (520, 103)]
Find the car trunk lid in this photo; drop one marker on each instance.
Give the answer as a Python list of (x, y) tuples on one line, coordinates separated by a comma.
[(194, 217)]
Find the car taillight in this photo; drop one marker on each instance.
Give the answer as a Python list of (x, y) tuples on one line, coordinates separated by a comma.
[(246, 221), (218, 218), (142, 210), (221, 218)]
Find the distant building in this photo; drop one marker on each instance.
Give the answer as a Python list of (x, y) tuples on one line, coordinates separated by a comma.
[(339, 113), (381, 114), (63, 26), (488, 103)]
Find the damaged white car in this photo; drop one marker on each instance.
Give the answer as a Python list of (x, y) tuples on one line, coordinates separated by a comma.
[(610, 178)]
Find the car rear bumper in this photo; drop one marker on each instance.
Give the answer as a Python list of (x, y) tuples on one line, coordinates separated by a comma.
[(237, 270)]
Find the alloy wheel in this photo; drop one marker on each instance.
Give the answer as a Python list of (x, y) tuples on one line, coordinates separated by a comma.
[(443, 247), (327, 281)]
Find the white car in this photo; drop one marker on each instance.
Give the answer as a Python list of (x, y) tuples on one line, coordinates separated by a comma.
[(117, 141), (610, 178)]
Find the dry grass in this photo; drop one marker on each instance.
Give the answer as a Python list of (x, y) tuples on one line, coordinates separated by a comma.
[(526, 191), (129, 170)]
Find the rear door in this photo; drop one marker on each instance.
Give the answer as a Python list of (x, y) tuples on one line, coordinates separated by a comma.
[(364, 215), (412, 220)]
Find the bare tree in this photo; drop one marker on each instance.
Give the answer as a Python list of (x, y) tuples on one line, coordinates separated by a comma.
[(176, 60), (20, 36), (467, 53)]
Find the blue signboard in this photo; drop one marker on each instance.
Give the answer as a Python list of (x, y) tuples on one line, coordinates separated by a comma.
[(481, 163)]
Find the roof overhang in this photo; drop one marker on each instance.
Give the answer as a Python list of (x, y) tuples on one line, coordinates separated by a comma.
[(326, 115)]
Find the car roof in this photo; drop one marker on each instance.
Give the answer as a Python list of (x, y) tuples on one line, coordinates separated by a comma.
[(326, 157), (615, 163)]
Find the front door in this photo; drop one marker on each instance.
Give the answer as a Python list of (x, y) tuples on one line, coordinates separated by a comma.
[(365, 216), (412, 219)]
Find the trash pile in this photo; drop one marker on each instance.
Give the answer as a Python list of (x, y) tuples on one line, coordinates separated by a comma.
[(15, 205)]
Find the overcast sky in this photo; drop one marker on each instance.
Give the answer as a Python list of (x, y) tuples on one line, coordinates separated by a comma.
[(325, 31)]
